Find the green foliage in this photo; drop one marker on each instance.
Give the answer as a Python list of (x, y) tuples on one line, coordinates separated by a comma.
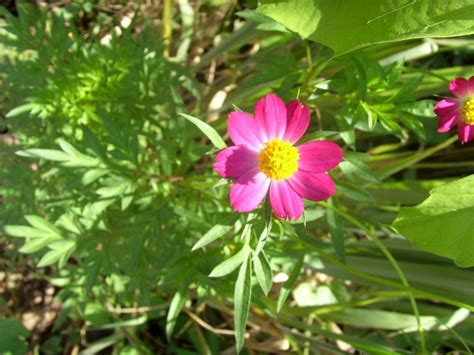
[(108, 192), (440, 224), (13, 337), (346, 25)]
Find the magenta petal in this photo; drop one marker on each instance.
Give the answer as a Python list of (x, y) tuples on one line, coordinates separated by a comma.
[(286, 203), (248, 191), (297, 121), (234, 161), (471, 86), (243, 130), (447, 107), (459, 87), (270, 116), (465, 132), (319, 156), (446, 123), (315, 187)]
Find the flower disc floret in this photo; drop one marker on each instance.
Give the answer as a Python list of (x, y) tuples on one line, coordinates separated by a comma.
[(279, 159), (467, 112)]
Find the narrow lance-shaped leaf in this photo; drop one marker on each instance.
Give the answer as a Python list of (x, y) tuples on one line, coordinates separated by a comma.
[(263, 272), (285, 291), (336, 228), (242, 296), (229, 265), (205, 128), (177, 304), (213, 234)]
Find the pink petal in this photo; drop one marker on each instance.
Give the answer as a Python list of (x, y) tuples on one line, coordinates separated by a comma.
[(243, 130), (315, 187), (319, 156), (447, 107), (471, 86), (286, 203), (446, 123), (249, 190), (297, 121), (234, 161), (465, 132), (270, 115), (459, 87)]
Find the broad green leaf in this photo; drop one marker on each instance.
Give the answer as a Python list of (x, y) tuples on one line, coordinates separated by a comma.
[(177, 304), (13, 339), (441, 224), (213, 234), (229, 265), (205, 128), (242, 297), (263, 272), (345, 25), (286, 289)]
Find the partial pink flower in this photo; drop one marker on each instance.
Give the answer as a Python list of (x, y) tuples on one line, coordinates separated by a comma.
[(265, 160), (458, 111)]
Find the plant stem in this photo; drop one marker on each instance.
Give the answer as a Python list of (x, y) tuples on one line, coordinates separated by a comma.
[(167, 27)]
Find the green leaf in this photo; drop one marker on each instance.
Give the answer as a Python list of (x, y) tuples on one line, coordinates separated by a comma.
[(177, 304), (441, 224), (60, 252), (345, 25), (125, 323), (24, 232), (229, 265), (356, 169), (242, 297), (336, 228), (353, 192), (286, 289), (42, 224), (13, 337), (210, 132), (48, 154), (213, 234), (50, 258), (263, 272), (19, 110), (36, 244)]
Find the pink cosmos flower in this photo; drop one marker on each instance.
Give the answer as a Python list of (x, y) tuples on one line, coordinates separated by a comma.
[(264, 159), (458, 111)]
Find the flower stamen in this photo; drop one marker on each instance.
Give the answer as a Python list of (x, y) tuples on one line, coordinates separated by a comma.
[(467, 112), (279, 159)]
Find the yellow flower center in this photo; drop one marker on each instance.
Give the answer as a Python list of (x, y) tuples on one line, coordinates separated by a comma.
[(467, 112), (279, 159)]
